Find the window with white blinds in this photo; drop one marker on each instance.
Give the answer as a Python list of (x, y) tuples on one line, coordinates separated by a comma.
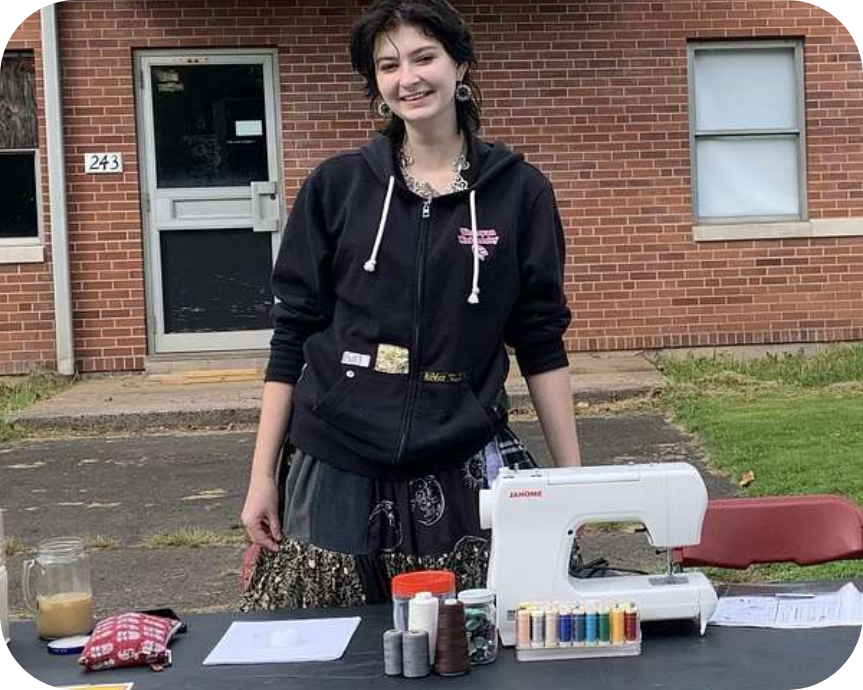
[(747, 131)]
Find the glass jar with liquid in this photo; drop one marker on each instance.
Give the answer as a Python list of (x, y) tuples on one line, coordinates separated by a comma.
[(57, 588), (4, 586)]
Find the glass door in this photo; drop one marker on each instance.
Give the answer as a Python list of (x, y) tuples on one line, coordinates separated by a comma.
[(212, 198)]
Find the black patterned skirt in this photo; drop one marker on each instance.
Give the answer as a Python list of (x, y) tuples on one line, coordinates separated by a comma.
[(346, 535)]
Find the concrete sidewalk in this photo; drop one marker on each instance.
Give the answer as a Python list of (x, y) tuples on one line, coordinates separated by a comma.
[(173, 401)]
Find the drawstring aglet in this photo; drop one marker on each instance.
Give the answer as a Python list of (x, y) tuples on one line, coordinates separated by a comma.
[(369, 266), (474, 296)]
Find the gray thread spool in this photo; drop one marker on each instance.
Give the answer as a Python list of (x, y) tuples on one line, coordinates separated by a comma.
[(415, 654), (393, 652)]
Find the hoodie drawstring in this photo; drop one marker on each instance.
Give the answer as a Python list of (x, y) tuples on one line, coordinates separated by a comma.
[(473, 298), (369, 266)]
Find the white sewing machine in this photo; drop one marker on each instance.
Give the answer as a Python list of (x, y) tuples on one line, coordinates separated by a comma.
[(535, 514)]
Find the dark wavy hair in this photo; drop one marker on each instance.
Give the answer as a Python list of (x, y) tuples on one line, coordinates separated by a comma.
[(437, 19)]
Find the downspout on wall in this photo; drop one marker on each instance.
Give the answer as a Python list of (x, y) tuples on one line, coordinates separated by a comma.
[(57, 193)]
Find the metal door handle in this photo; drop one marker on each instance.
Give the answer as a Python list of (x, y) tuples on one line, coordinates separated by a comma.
[(261, 222)]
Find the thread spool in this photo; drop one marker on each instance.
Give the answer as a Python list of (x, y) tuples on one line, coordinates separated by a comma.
[(451, 656), (564, 627), (423, 615), (393, 652), (590, 625), (523, 628), (630, 623), (603, 625), (617, 625), (537, 628), (551, 627), (578, 625), (415, 654)]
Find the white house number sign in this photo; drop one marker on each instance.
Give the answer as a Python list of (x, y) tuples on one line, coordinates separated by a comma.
[(97, 163)]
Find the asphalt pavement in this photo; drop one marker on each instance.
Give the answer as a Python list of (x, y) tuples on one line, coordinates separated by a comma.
[(126, 489)]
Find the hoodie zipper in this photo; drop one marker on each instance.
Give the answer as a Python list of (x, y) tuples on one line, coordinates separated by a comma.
[(405, 428)]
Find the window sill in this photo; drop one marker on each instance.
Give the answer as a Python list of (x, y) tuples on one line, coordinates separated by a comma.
[(824, 227), (22, 254)]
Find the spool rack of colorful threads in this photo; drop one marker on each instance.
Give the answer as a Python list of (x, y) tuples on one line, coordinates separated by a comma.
[(577, 630)]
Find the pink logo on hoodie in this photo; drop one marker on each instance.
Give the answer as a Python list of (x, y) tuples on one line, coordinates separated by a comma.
[(484, 238)]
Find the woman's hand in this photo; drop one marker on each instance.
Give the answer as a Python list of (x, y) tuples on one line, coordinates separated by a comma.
[(261, 513)]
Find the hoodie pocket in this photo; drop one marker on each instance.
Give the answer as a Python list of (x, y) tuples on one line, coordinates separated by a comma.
[(446, 416), (333, 397), (366, 407)]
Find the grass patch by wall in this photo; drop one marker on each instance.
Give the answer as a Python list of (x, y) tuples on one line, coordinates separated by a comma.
[(16, 393)]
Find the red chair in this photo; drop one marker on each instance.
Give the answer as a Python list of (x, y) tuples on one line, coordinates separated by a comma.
[(738, 532)]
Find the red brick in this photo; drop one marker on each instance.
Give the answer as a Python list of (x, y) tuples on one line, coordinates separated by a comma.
[(594, 93)]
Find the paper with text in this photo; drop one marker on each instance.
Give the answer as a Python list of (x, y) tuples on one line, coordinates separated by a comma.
[(792, 610)]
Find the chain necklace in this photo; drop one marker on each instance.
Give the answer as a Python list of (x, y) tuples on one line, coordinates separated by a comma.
[(423, 188)]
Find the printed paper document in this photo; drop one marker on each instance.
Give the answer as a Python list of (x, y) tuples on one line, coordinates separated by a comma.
[(792, 610)]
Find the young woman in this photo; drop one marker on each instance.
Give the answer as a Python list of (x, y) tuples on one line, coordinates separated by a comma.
[(406, 269)]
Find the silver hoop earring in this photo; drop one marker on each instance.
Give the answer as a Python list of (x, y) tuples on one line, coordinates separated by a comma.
[(463, 92), (384, 110)]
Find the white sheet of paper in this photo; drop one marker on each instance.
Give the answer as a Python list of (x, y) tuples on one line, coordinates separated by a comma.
[(843, 607), (276, 642)]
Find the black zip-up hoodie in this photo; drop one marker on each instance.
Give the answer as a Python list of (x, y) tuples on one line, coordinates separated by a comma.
[(393, 312)]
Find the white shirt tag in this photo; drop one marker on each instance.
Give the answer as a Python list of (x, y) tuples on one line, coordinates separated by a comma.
[(355, 359)]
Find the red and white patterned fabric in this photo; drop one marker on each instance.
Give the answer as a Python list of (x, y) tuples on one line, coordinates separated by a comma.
[(131, 639)]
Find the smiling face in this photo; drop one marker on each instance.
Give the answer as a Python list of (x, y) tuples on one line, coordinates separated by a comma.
[(416, 77)]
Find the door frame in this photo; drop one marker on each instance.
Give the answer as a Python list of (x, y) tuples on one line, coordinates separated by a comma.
[(158, 342)]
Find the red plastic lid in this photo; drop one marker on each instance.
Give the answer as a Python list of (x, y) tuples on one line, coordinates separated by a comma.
[(434, 581)]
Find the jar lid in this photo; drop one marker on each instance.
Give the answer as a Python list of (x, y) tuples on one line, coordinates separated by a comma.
[(476, 596), (434, 581), (68, 645)]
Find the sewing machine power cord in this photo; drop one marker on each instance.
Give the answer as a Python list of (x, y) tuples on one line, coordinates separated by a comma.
[(599, 567)]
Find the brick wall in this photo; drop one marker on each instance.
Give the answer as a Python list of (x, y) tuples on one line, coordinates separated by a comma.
[(105, 231), (26, 301), (592, 92), (598, 98)]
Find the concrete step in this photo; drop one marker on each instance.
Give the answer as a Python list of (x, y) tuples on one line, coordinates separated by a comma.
[(166, 365)]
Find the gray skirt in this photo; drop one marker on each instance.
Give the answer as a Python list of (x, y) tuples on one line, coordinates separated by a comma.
[(346, 536), (421, 516)]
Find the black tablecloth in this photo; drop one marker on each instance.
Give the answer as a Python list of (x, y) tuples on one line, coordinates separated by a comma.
[(674, 657)]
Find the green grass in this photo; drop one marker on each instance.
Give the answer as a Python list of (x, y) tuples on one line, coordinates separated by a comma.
[(796, 422), (101, 543), (838, 365), (15, 547), (192, 538), (18, 393)]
